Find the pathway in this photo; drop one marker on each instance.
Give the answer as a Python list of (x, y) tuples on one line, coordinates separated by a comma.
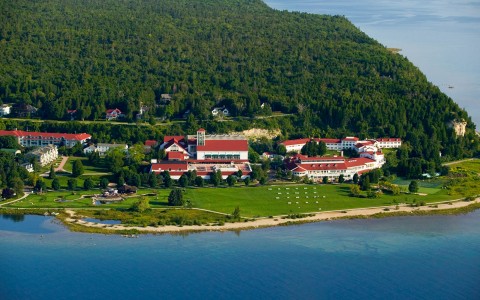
[(459, 161), (62, 164), (25, 195)]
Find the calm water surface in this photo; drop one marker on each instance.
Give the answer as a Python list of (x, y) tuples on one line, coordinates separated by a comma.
[(441, 37), (435, 257)]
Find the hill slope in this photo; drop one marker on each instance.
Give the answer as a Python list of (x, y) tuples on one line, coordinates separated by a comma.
[(97, 54)]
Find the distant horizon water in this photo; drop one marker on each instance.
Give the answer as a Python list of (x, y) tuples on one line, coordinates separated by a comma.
[(440, 37)]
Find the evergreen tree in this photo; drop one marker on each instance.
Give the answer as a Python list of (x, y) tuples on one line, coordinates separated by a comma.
[(183, 181), (175, 198), (77, 168), (231, 180), (153, 180), (104, 183), (167, 180), (413, 186), (199, 181), (88, 184), (52, 173), (72, 184), (355, 178), (341, 178), (55, 184)]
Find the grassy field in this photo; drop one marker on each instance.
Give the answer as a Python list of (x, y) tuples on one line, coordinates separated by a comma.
[(471, 166), (282, 200), (156, 217), (262, 201), (87, 166), (83, 199)]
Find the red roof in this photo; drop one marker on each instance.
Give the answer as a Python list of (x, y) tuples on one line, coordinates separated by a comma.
[(171, 166), (329, 141), (150, 143), (389, 139), (295, 142), (360, 161), (109, 111), (168, 138), (224, 145), (35, 134), (350, 139), (174, 141), (201, 129), (174, 155)]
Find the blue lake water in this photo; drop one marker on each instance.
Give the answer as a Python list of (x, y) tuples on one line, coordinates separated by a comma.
[(434, 257), (441, 37)]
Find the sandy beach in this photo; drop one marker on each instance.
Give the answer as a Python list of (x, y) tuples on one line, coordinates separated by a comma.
[(279, 220)]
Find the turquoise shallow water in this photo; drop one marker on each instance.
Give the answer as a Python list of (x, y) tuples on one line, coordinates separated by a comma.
[(434, 257)]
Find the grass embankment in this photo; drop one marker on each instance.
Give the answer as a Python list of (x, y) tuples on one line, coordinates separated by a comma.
[(156, 217), (448, 211)]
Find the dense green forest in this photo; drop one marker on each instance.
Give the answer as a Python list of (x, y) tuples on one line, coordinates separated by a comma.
[(334, 80)]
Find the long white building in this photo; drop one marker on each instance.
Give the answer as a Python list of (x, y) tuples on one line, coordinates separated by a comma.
[(348, 142), (316, 168), (42, 139)]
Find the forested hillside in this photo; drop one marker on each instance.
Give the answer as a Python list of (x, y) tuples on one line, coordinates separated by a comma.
[(92, 55)]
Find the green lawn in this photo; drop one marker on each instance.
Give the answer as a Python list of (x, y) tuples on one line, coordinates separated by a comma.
[(157, 198), (253, 201), (281, 200), (468, 166), (89, 168)]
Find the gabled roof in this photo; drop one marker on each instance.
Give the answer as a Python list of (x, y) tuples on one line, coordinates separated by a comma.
[(174, 141), (168, 138), (224, 145), (66, 136), (109, 111), (295, 142)]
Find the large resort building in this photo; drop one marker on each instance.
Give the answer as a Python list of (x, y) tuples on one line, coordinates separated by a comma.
[(42, 139), (204, 154), (316, 168), (353, 143)]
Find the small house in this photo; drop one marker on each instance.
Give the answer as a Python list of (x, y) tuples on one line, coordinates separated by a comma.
[(113, 114)]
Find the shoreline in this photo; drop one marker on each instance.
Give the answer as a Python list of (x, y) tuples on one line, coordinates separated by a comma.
[(357, 213)]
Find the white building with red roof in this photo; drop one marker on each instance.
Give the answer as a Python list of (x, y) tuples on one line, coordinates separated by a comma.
[(349, 142), (113, 114), (295, 145), (42, 139), (204, 154), (316, 168), (389, 142)]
